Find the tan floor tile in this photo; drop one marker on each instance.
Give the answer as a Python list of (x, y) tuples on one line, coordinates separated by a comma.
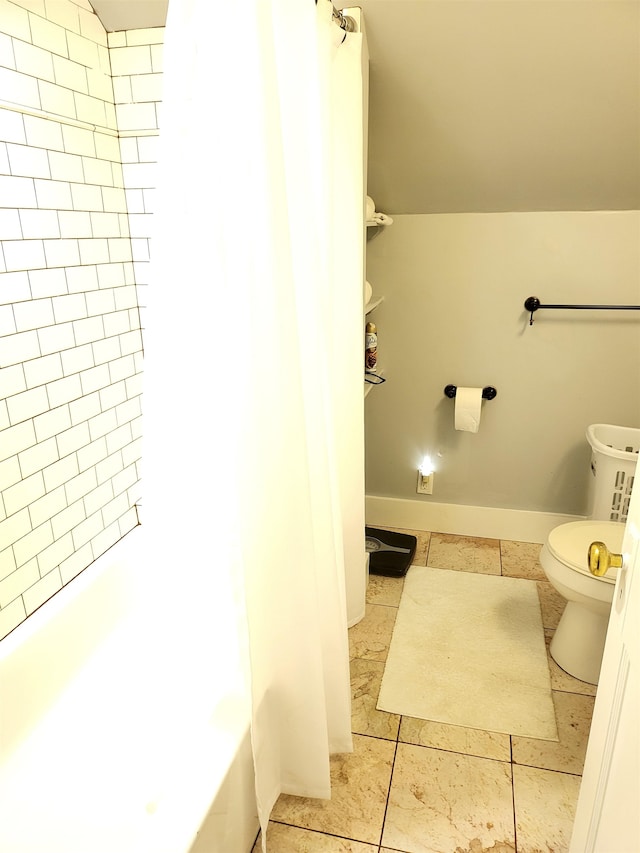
[(561, 680), (552, 605), (573, 716), (442, 801), (366, 676), (464, 553), (292, 839), (359, 786), (545, 804), (455, 738), (384, 590), (370, 638), (521, 560)]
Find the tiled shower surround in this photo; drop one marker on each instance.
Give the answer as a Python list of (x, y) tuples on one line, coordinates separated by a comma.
[(78, 128)]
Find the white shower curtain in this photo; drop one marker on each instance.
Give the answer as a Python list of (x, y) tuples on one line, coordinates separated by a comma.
[(254, 474)]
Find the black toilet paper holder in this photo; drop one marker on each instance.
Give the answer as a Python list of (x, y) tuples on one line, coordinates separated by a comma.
[(488, 393)]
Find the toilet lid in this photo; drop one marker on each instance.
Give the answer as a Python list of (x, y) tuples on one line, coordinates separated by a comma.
[(569, 543)]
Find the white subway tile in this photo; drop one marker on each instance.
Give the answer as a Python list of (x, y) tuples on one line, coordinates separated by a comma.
[(120, 249), (128, 410), (130, 520), (111, 275), (101, 425), (72, 439), (11, 126), (146, 87), (122, 368), (14, 287), (89, 330), (114, 509), (18, 348), (42, 133), (7, 562), (86, 530), (107, 147), (38, 457), (11, 616), (125, 479), (26, 161), (4, 423), (68, 518), (64, 390), (4, 160), (106, 350), (109, 467), (129, 149), (92, 454), (135, 201), (57, 338), (97, 171), (74, 223), (140, 254), (99, 497), (148, 148), (46, 508), (60, 472), (17, 192), (53, 194), (36, 6), (91, 27), (77, 359), (64, 14), (39, 224), (70, 74), (123, 221), (15, 583), (117, 39), (32, 60), (100, 302), (66, 167), (51, 423), (80, 486), (132, 452), (12, 381), (57, 99), (157, 57), (27, 405), (7, 321), (115, 199), (145, 35), (135, 116), (48, 35), (77, 140), (126, 297), (13, 528), (23, 255), (6, 51), (76, 563), (122, 90), (86, 197), (83, 4), (33, 314), (42, 591), (9, 473), (90, 109), (71, 307), (105, 225), (119, 438), (95, 378), (116, 323), (23, 493), (82, 279), (47, 282), (62, 253), (19, 88), (83, 50), (56, 553), (94, 251), (130, 60), (10, 225), (113, 395), (140, 224), (100, 85), (40, 371), (118, 178), (14, 21), (85, 408)]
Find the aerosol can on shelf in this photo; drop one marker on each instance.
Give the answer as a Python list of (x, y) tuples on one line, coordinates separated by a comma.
[(371, 348)]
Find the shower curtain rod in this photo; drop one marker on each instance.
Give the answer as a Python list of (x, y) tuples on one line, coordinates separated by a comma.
[(343, 21)]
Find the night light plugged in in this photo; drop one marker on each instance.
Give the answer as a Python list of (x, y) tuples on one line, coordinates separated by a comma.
[(425, 477)]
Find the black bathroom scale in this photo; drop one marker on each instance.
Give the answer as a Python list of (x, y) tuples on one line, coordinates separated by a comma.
[(390, 553)]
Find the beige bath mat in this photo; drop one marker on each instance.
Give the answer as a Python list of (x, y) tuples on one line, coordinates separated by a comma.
[(468, 649)]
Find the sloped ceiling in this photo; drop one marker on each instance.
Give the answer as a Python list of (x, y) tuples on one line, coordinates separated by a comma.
[(491, 105)]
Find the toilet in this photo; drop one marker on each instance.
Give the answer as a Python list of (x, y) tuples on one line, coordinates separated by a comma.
[(578, 643)]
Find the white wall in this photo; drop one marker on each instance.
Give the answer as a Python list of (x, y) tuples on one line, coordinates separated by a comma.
[(70, 337), (454, 288)]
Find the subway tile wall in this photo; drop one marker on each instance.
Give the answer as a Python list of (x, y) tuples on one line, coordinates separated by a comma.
[(75, 209)]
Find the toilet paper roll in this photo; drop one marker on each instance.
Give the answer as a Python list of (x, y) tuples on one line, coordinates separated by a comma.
[(368, 292), (468, 409), (370, 208)]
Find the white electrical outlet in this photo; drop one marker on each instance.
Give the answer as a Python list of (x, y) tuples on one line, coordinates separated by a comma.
[(425, 483)]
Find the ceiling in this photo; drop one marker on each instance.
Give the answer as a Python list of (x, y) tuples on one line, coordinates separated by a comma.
[(491, 105)]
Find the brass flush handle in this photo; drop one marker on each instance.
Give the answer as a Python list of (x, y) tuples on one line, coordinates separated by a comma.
[(600, 559)]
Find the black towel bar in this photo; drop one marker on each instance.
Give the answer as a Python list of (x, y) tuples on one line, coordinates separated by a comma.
[(488, 393), (533, 303)]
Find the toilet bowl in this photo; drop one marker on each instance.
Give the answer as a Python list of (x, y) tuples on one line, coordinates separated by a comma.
[(578, 643)]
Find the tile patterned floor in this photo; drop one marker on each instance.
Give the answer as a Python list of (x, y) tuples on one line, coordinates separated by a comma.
[(412, 786)]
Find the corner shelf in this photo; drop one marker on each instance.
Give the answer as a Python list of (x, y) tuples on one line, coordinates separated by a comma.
[(369, 307)]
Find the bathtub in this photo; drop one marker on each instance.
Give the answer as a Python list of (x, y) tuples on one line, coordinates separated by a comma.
[(107, 740)]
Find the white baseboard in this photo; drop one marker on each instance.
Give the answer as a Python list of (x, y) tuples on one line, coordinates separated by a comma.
[(488, 522)]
